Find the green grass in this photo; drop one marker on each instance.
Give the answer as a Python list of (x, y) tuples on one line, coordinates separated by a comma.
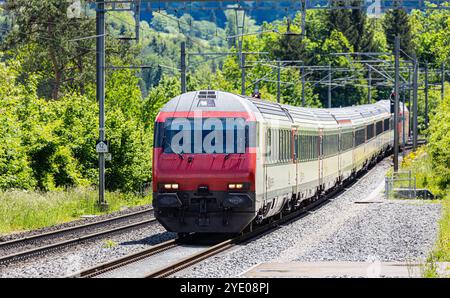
[(441, 251), (22, 210), (109, 244), (419, 163)]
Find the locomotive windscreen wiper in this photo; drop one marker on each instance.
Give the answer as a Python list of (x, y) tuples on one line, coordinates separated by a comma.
[(164, 146)]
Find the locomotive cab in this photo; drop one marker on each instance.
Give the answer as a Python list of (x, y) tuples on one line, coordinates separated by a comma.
[(203, 165)]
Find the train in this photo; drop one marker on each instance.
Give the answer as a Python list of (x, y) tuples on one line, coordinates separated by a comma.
[(224, 162)]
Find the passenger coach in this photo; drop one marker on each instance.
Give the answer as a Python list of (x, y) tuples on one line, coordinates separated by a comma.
[(222, 162)]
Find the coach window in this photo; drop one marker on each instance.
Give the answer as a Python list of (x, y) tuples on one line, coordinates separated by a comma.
[(274, 147), (277, 144), (313, 149), (301, 149), (308, 144), (346, 141), (268, 145), (281, 141), (295, 145), (308, 141), (304, 147), (379, 127), (289, 143), (280, 145), (386, 124), (309, 153), (359, 137), (369, 131), (289, 146)]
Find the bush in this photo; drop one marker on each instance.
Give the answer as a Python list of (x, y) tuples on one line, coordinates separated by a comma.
[(50, 145), (439, 144)]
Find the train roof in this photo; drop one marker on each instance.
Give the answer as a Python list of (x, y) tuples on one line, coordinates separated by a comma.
[(212, 100)]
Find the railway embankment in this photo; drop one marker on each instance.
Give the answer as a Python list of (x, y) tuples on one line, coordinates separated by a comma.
[(359, 226)]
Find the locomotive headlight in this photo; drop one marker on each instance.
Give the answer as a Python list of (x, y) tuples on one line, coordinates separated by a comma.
[(235, 186), (173, 186)]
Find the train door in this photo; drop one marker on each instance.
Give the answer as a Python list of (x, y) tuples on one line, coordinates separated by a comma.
[(339, 151), (353, 148), (295, 152), (267, 155), (320, 157)]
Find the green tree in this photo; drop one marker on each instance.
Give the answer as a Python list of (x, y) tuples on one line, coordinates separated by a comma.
[(15, 169), (396, 22), (431, 38), (352, 23), (46, 26)]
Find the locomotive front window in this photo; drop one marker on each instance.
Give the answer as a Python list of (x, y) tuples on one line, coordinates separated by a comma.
[(207, 135)]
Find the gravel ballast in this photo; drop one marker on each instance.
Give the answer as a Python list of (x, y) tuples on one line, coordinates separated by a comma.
[(341, 230), (74, 223), (73, 259)]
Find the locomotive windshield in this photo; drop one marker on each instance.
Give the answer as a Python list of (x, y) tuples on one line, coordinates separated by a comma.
[(205, 135)]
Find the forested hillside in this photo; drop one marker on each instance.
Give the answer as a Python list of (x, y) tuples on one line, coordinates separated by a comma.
[(48, 108)]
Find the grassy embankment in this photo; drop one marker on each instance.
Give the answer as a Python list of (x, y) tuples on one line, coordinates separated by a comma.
[(419, 163), (20, 210)]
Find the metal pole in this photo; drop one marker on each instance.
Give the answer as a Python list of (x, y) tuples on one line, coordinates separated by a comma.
[(403, 122), (329, 85), (243, 73), (426, 95), (415, 108), (137, 19), (369, 95), (183, 67), (279, 81), (303, 87), (442, 81), (303, 20), (409, 103), (100, 61), (396, 106)]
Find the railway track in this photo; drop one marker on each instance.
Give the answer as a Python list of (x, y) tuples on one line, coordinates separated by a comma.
[(229, 243), (149, 264), (150, 258), (23, 248)]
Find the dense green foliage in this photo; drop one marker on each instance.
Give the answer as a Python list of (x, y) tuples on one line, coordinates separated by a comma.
[(397, 23), (439, 144), (48, 107)]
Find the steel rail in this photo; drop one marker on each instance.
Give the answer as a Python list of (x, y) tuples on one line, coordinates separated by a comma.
[(56, 233), (62, 244), (109, 266)]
